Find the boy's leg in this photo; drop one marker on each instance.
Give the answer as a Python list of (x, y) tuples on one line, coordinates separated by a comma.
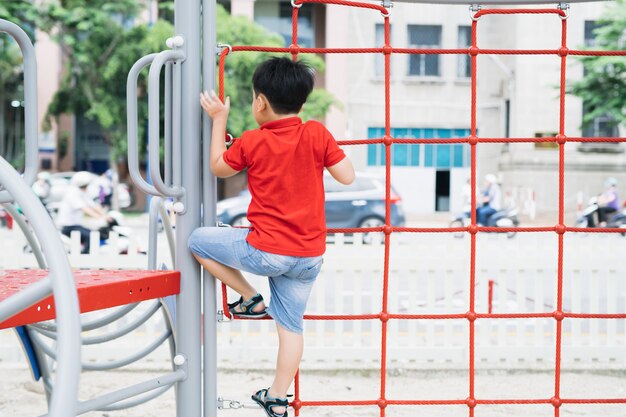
[(290, 347), (232, 277), (216, 248)]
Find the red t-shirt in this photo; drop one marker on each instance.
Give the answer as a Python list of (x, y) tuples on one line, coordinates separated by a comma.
[(285, 160)]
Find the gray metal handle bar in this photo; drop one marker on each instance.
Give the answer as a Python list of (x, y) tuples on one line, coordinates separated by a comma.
[(132, 127), (154, 121), (30, 103), (63, 402)]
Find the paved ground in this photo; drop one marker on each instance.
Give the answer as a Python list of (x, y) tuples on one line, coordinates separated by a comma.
[(20, 397)]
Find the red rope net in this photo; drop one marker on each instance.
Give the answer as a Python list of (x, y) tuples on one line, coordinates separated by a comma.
[(388, 229)]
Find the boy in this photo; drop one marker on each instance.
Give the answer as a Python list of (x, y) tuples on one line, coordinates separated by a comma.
[(285, 160)]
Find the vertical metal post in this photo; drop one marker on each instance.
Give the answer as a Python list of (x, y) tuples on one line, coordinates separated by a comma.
[(209, 199), (189, 400)]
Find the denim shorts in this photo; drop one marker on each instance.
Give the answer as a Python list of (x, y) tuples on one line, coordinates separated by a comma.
[(290, 277)]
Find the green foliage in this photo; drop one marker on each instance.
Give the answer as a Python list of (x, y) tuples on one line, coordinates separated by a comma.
[(24, 14), (240, 66), (101, 43), (603, 89), (21, 12)]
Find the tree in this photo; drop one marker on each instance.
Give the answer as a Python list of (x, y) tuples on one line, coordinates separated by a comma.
[(24, 14), (100, 43), (603, 88), (240, 66)]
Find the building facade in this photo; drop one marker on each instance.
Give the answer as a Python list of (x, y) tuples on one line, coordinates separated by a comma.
[(518, 96)]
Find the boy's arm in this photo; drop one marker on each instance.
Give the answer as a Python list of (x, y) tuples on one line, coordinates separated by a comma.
[(218, 112), (343, 171)]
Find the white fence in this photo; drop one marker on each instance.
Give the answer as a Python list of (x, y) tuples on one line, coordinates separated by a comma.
[(429, 274)]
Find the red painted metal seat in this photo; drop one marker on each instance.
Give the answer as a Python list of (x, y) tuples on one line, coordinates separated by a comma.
[(97, 290)]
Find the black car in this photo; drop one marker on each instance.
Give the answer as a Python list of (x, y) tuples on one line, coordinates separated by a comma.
[(360, 204)]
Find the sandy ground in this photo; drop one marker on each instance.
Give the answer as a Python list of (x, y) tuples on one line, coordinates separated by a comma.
[(21, 397)]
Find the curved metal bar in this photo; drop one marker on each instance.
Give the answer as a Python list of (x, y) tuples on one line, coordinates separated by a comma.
[(30, 104), (113, 335), (169, 233), (167, 124), (95, 324), (126, 329), (133, 390), (25, 298), (157, 208), (47, 333), (132, 125), (63, 401), (172, 340), (154, 122), (103, 321), (123, 405), (28, 233), (129, 359), (109, 365), (177, 153)]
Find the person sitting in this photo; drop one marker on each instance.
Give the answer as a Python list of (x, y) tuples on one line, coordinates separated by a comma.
[(608, 203), (490, 200), (74, 205)]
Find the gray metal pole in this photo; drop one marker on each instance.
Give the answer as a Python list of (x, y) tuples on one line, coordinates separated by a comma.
[(30, 103), (189, 399), (209, 199)]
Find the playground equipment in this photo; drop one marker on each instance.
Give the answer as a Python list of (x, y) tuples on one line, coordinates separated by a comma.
[(194, 374)]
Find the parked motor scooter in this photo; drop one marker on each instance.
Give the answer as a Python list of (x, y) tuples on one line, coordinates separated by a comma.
[(502, 218)]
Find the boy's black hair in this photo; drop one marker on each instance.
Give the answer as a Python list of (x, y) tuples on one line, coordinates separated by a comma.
[(284, 82)]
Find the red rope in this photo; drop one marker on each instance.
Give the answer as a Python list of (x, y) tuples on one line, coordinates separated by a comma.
[(519, 11), (346, 3), (388, 229), (547, 139)]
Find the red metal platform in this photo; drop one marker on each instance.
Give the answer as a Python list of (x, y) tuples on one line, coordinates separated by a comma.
[(97, 290)]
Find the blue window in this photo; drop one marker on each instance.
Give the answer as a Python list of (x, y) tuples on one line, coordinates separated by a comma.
[(434, 156)]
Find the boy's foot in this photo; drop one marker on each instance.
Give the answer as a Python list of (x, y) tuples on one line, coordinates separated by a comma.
[(273, 407), (253, 308)]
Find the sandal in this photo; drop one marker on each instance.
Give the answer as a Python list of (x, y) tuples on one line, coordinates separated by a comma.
[(246, 308), (267, 403)]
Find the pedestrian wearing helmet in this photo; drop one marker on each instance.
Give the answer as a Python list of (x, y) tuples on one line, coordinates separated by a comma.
[(73, 207), (608, 203)]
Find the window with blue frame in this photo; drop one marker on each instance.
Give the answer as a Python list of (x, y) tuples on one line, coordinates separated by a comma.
[(454, 155)]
